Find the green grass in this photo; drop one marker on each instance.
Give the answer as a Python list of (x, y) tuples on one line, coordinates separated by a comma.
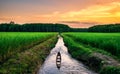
[(76, 49), (110, 70), (15, 42), (81, 53), (109, 42), (29, 61), (82, 47)]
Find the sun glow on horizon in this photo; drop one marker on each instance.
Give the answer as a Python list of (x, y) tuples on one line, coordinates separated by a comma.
[(97, 14)]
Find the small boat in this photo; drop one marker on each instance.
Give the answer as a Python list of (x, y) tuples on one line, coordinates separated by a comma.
[(58, 60)]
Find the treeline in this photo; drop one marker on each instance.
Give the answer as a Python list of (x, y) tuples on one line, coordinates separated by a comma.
[(49, 27), (78, 30), (105, 28), (34, 27), (38, 27)]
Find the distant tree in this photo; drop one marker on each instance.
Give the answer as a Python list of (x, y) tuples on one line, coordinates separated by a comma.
[(34, 27), (105, 28), (49, 27), (12, 22)]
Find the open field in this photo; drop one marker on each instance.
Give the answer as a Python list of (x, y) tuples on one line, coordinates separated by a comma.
[(15, 42), (96, 50), (28, 51), (23, 52), (109, 42)]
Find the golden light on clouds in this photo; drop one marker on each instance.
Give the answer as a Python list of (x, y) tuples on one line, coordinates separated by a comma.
[(96, 13), (109, 13), (102, 12)]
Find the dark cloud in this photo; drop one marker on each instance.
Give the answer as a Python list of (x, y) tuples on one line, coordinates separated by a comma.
[(73, 22), (78, 22)]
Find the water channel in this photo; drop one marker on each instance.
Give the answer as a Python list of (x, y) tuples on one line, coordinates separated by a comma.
[(68, 64)]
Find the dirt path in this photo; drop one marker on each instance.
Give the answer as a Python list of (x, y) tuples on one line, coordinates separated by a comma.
[(68, 64)]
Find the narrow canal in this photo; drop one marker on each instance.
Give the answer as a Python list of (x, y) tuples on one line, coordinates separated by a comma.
[(68, 64)]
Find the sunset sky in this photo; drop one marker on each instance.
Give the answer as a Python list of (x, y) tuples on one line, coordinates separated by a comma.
[(75, 13)]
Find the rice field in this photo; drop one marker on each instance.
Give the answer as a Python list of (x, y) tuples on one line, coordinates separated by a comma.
[(95, 50), (15, 42), (109, 42)]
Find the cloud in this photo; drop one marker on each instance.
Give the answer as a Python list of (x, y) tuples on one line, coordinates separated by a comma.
[(73, 22), (77, 24), (5, 19), (107, 13), (96, 14), (95, 10), (77, 15)]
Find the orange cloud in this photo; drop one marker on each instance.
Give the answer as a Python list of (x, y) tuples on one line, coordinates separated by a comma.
[(101, 13)]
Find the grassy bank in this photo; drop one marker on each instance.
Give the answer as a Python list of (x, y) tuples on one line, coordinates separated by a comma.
[(15, 42), (109, 42), (98, 61), (29, 61)]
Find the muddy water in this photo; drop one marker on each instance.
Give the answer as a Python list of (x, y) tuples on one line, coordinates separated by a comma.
[(68, 64)]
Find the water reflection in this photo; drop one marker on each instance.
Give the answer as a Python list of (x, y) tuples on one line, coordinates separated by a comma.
[(68, 64)]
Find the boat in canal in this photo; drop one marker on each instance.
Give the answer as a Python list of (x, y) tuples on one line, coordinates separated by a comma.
[(58, 60)]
